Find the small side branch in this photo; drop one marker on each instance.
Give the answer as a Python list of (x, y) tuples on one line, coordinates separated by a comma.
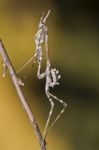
[(8, 65)]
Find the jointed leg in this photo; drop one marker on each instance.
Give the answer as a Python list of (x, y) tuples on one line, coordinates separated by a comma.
[(28, 71), (50, 114), (19, 70), (62, 111), (49, 117)]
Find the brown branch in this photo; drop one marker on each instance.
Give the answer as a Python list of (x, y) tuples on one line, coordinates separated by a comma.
[(7, 64)]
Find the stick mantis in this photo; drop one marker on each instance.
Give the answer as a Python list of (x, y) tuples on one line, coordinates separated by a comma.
[(50, 74)]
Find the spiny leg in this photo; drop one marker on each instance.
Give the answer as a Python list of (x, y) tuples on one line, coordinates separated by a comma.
[(59, 115)]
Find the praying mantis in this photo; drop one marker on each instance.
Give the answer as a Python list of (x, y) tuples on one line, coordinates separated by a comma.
[(50, 74)]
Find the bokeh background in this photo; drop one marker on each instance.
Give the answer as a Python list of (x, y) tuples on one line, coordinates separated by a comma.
[(74, 49)]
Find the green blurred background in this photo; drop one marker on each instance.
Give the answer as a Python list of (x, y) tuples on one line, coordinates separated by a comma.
[(74, 49)]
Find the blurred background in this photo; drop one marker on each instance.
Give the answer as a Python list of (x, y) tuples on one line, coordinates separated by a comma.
[(74, 49)]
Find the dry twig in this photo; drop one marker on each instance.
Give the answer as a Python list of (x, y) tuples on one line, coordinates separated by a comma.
[(17, 83)]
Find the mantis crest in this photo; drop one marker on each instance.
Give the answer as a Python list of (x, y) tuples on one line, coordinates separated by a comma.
[(50, 74)]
